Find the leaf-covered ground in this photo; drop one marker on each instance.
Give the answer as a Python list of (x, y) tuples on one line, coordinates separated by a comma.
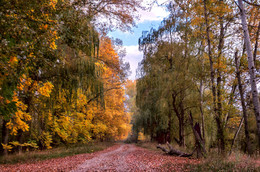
[(128, 157), (121, 157)]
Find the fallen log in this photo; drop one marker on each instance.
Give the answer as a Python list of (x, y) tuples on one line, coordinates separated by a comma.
[(172, 151)]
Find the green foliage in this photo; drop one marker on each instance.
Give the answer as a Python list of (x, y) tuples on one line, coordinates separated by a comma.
[(188, 66), (165, 90)]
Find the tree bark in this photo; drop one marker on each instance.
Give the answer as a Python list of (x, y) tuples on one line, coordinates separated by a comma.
[(201, 110), (251, 68), (221, 128), (5, 136), (241, 92), (256, 45), (199, 142), (212, 71), (181, 131), (217, 112), (180, 115), (168, 135)]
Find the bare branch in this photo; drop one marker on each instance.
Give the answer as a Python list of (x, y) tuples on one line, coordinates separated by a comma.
[(250, 3)]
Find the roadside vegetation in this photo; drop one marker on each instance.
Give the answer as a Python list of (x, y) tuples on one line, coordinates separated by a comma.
[(59, 152), (237, 161)]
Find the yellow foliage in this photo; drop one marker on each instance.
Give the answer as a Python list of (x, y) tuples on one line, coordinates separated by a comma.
[(141, 136), (31, 55), (19, 118), (46, 89), (82, 100), (99, 129), (44, 27), (15, 143), (6, 146), (15, 97), (53, 45), (25, 83), (234, 122), (53, 3), (54, 37), (46, 139), (13, 60)]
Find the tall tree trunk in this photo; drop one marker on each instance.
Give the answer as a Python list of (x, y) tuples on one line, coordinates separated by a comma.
[(248, 147), (20, 140), (181, 140), (220, 135), (180, 116), (212, 71), (181, 131), (213, 87), (256, 45), (201, 110), (5, 136), (251, 68), (21, 133), (221, 130), (168, 135)]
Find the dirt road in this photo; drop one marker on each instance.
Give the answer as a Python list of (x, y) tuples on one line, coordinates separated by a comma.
[(121, 157), (132, 158), (115, 160)]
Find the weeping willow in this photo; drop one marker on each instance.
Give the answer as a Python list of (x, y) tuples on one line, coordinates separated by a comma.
[(75, 75)]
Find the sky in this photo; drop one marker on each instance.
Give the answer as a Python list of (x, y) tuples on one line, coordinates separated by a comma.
[(148, 19)]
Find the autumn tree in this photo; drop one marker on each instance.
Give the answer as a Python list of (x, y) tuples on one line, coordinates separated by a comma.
[(251, 67), (55, 79), (194, 49)]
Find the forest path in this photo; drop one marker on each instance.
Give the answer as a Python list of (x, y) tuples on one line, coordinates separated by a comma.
[(118, 158), (128, 157), (115, 160)]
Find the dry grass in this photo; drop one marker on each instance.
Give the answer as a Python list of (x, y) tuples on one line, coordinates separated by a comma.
[(236, 162)]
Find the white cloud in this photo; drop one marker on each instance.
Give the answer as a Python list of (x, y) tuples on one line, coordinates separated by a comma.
[(157, 13), (133, 56)]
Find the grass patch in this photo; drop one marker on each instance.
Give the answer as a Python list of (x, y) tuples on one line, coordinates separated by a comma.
[(54, 153), (220, 165), (236, 162)]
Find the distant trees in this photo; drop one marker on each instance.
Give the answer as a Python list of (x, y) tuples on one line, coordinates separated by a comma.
[(189, 65)]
